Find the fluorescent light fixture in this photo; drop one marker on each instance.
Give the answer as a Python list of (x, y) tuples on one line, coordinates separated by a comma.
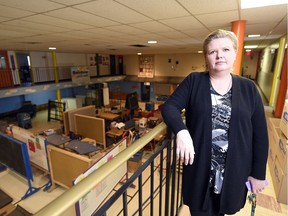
[(248, 50), (52, 48), (250, 46), (139, 53), (260, 3), (254, 35), (200, 51), (152, 42)]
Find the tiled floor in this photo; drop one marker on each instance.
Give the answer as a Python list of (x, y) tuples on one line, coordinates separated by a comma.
[(16, 187)]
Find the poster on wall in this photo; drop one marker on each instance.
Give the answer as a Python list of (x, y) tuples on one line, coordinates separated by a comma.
[(80, 75), (146, 66), (93, 199)]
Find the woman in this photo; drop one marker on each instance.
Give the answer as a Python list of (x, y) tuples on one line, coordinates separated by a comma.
[(225, 128)]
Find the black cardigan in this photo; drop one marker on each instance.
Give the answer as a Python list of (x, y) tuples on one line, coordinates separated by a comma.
[(248, 139)]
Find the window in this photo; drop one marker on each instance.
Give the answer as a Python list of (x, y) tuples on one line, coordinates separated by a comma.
[(2, 62)]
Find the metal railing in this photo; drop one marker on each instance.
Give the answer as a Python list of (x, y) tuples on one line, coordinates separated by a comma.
[(166, 192)]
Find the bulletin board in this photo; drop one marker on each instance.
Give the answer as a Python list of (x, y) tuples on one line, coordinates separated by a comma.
[(146, 66), (69, 120), (91, 127), (65, 166), (36, 146), (93, 199)]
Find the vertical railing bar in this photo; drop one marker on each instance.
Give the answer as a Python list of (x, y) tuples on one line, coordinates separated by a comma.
[(125, 209), (161, 178), (167, 190), (130, 180), (179, 193), (140, 194), (152, 189), (49, 110), (173, 180)]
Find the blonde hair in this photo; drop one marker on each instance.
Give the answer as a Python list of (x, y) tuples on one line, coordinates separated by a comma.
[(220, 33)]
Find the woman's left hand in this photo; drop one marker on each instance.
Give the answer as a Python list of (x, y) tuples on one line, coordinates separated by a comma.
[(256, 184)]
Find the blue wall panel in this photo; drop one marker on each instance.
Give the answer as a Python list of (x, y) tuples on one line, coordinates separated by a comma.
[(11, 103)]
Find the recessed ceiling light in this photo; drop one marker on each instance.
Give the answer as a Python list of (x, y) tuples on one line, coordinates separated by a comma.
[(248, 50), (260, 3), (254, 35), (200, 51), (152, 42), (250, 46), (52, 48), (139, 53)]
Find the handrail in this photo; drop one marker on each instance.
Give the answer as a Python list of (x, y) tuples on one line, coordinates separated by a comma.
[(71, 196)]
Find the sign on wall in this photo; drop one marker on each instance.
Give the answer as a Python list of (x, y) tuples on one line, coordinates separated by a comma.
[(80, 75)]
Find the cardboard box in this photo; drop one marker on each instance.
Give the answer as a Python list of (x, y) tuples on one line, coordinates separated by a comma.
[(282, 196), (134, 165), (279, 180), (273, 127), (135, 162), (271, 158), (281, 150), (284, 119)]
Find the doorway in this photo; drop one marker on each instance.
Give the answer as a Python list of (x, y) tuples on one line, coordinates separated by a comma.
[(6, 79), (145, 91), (24, 65)]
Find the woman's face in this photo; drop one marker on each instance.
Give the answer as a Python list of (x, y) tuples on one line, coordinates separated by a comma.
[(220, 55)]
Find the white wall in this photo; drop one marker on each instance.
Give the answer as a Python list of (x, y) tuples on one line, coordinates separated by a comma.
[(41, 59), (71, 59), (187, 63)]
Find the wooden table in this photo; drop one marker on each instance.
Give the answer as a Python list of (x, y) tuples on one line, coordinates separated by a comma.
[(108, 116)]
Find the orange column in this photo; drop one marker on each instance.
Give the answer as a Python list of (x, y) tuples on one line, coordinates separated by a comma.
[(238, 27)]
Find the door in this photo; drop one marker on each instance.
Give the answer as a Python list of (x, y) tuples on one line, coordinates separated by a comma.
[(23, 62), (145, 91), (6, 79)]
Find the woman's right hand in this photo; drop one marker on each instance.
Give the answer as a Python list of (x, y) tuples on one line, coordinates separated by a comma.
[(184, 147)]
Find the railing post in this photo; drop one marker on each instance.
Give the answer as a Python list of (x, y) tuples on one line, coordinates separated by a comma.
[(168, 169)]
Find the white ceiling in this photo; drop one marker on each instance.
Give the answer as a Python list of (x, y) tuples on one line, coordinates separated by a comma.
[(112, 26)]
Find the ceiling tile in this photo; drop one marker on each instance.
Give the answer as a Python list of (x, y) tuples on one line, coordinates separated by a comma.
[(218, 19), (113, 11), (52, 21), (264, 14), (126, 29), (152, 26), (13, 34), (69, 2), (209, 6), (150, 8), (112, 25), (260, 28), (9, 12), (173, 34), (3, 18), (35, 26), (37, 6), (182, 23), (79, 16)]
